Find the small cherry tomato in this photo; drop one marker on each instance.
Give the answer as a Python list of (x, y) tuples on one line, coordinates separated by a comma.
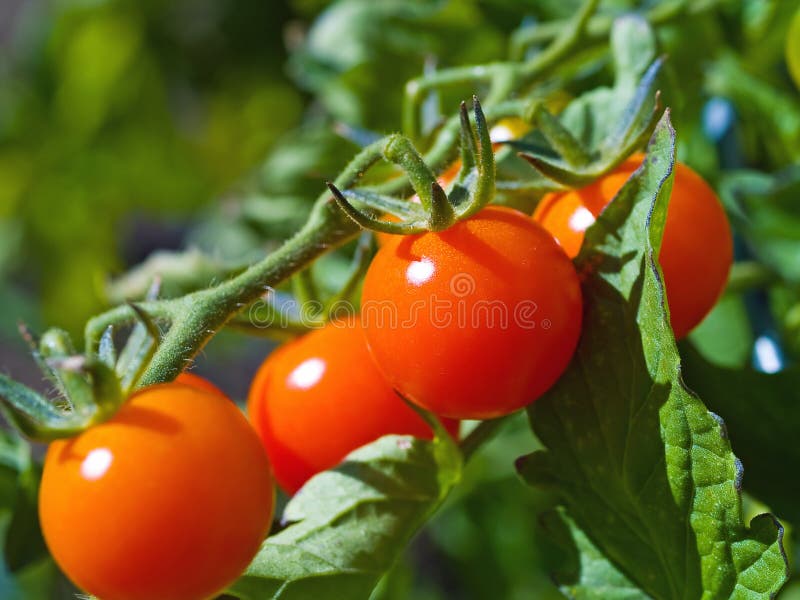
[(201, 383), (476, 321), (697, 249), (170, 498), (318, 398)]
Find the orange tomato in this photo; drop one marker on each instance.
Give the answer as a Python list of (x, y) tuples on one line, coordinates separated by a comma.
[(697, 249), (170, 498), (318, 398)]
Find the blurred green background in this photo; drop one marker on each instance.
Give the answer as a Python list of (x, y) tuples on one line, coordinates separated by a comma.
[(119, 123), (129, 126)]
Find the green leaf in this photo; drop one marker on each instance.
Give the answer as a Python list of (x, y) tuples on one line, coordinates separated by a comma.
[(642, 466), (596, 115), (770, 111), (766, 213), (595, 578), (726, 334), (347, 526), (25, 568), (762, 416), (606, 124), (360, 50)]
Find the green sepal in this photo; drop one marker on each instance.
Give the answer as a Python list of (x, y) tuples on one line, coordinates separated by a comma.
[(142, 344), (56, 348), (639, 120), (559, 137), (108, 393), (402, 209), (106, 352), (442, 214), (469, 142), (483, 190), (35, 416), (367, 221), (400, 151)]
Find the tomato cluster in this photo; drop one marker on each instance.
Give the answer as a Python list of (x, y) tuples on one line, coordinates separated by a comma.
[(172, 496)]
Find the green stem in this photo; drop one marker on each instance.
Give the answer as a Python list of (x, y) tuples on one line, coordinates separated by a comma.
[(304, 287), (416, 89), (361, 261), (196, 317), (484, 431), (159, 310), (571, 36), (207, 311)]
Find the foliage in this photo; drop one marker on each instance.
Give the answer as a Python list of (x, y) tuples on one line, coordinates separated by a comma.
[(120, 118), (644, 469)]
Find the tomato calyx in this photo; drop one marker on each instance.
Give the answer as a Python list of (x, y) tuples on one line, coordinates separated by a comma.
[(90, 387), (90, 394), (579, 165), (472, 189)]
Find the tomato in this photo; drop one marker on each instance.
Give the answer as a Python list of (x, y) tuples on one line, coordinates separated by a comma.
[(317, 398), (475, 321), (196, 381), (793, 48), (170, 498), (697, 249)]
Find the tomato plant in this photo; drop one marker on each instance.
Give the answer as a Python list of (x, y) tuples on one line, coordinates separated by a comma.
[(589, 454), (320, 397), (139, 507), (697, 249), (503, 324)]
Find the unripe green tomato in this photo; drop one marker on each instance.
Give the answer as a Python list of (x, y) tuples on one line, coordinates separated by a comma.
[(793, 48)]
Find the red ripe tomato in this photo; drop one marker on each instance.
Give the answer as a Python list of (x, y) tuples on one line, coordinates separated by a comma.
[(320, 397), (170, 498), (697, 249), (475, 321)]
